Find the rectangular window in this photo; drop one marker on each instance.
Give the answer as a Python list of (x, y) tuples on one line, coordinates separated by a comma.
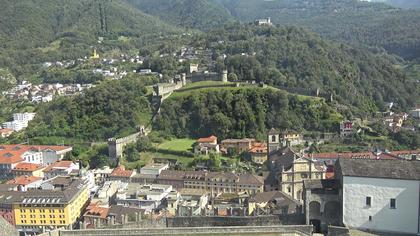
[(370, 218), (393, 203), (368, 201)]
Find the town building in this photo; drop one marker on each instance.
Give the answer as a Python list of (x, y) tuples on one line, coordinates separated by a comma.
[(277, 140), (7, 197), (346, 129), (145, 197), (97, 216), (154, 169), (38, 211), (415, 113), (61, 168), (212, 182), (266, 21), (292, 177), (106, 194), (259, 153), (8, 162), (322, 203), (24, 183), (207, 145), (28, 169), (380, 195), (20, 121), (273, 202), (236, 145), (43, 155), (120, 173)]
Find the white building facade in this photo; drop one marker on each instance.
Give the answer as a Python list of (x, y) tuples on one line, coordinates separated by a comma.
[(387, 200)]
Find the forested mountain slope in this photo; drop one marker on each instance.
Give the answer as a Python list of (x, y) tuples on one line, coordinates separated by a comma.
[(33, 31), (354, 21), (197, 14), (290, 57)]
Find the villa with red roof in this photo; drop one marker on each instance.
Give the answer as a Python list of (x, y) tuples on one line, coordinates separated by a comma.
[(211, 140), (207, 145)]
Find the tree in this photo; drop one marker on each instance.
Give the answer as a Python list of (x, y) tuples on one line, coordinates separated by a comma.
[(131, 154), (143, 144), (214, 162)]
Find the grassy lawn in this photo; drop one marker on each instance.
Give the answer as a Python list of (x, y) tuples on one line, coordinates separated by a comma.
[(184, 144)]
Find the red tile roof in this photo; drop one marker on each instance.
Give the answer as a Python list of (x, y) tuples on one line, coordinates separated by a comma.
[(120, 171), (258, 148), (58, 165), (6, 131), (209, 139), (94, 210), (12, 153), (23, 166), (405, 152), (23, 180)]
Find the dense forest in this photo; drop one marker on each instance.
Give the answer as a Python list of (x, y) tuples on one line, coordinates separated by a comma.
[(290, 57), (242, 112), (110, 109), (352, 21), (196, 14)]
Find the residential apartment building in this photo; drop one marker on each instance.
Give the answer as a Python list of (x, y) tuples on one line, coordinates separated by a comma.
[(38, 211)]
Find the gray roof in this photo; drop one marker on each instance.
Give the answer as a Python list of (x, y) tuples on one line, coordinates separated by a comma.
[(273, 131), (391, 169)]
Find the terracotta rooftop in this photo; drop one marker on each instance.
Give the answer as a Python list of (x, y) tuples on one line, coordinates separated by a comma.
[(58, 165), (12, 153), (23, 180), (209, 139), (259, 148), (95, 210), (23, 166), (120, 171)]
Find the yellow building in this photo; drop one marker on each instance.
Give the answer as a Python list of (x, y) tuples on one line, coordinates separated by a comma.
[(291, 180), (43, 210), (95, 55)]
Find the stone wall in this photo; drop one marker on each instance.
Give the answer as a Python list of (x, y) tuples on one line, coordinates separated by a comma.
[(253, 230), (116, 146), (210, 221), (338, 231)]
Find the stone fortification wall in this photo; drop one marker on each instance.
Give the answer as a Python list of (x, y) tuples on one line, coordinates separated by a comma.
[(253, 230)]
